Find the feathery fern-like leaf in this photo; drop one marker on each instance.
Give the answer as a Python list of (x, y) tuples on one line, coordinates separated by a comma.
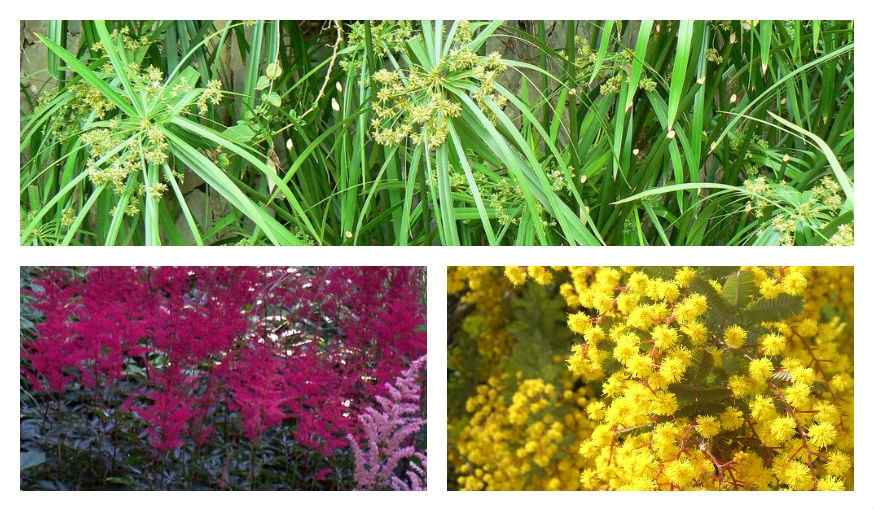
[(772, 309), (688, 393), (700, 365), (719, 312), (659, 272), (717, 272), (739, 288)]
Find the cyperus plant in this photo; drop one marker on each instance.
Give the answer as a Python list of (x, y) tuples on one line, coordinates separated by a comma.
[(115, 145), (427, 132)]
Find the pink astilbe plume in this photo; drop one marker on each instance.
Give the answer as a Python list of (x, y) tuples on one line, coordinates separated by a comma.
[(389, 432)]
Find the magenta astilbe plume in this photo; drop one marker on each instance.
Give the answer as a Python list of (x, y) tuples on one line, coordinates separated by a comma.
[(255, 382), (377, 312), (169, 416), (389, 431)]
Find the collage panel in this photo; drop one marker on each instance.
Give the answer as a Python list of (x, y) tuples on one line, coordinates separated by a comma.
[(223, 378), (650, 378), (428, 132)]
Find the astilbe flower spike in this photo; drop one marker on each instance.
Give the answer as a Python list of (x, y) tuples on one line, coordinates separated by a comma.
[(202, 339), (389, 432)]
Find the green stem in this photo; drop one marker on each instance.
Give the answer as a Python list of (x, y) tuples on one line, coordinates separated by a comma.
[(570, 77), (253, 447)]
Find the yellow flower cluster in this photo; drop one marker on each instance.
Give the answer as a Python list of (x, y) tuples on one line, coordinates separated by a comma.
[(779, 415), (489, 320), (523, 445), (703, 379), (518, 433)]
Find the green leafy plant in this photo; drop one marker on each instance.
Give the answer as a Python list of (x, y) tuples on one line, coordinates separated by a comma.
[(119, 138), (453, 133)]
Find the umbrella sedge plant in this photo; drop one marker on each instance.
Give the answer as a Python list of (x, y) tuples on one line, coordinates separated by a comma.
[(439, 133)]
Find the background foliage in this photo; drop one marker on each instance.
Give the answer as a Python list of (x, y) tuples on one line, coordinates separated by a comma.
[(515, 414)]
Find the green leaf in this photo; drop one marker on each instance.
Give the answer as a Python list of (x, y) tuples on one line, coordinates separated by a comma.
[(718, 272), (602, 49), (639, 60), (769, 237), (274, 99), (687, 393), (735, 361), (701, 363), (718, 310), (701, 408), (32, 458), (253, 64), (678, 75), (765, 27), (263, 83), (680, 187), (240, 133), (474, 189), (444, 196), (57, 32), (738, 288), (773, 309), (658, 272), (831, 228)]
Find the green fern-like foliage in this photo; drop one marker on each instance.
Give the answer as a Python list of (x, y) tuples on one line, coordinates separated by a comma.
[(700, 367), (658, 272), (540, 331), (773, 309), (719, 312), (739, 288), (463, 379)]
